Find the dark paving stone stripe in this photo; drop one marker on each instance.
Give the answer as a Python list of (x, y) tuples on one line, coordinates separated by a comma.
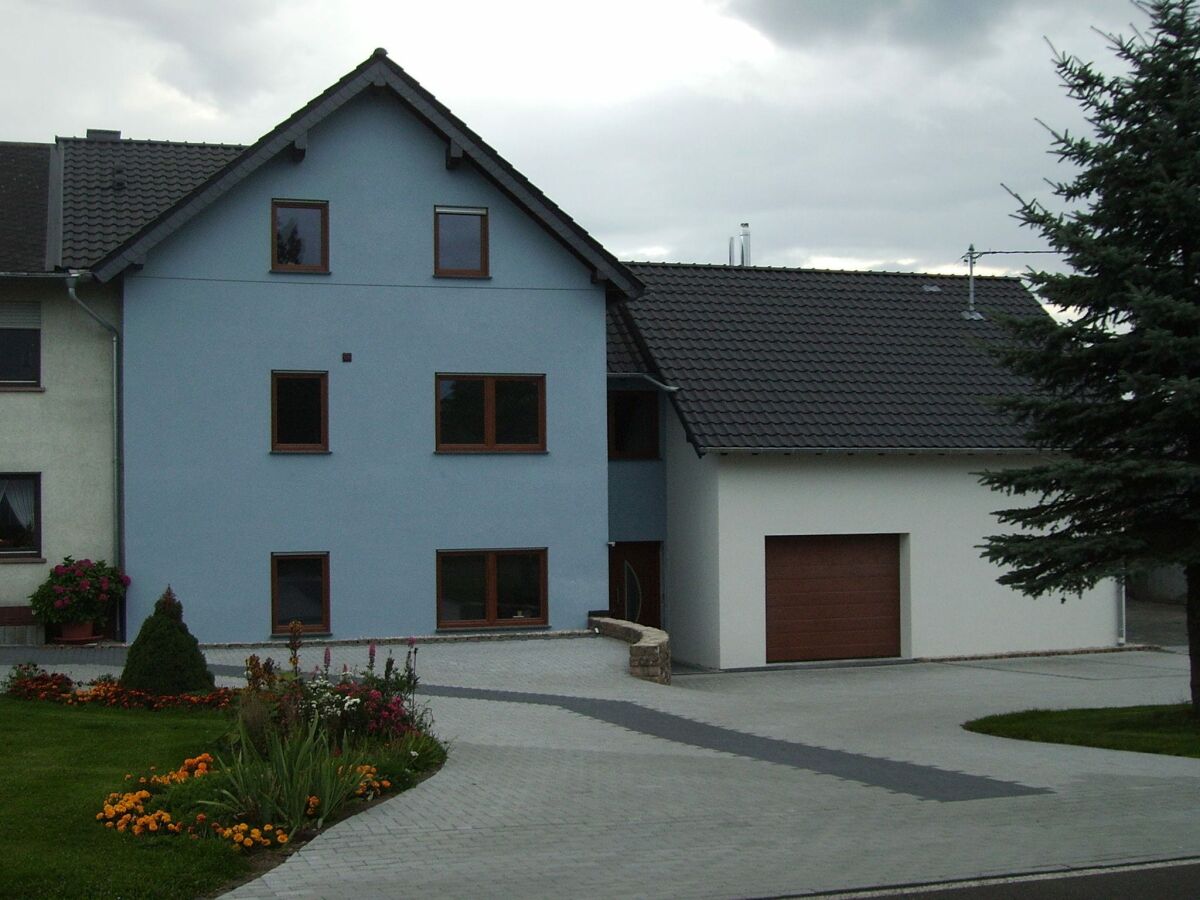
[(925, 782)]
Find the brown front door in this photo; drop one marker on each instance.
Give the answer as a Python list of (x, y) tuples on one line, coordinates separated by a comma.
[(833, 596), (634, 582)]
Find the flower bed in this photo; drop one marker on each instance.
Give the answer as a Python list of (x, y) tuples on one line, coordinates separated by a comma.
[(30, 682)]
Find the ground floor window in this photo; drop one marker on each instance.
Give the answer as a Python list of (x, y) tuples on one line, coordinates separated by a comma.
[(299, 591), (20, 515), (485, 588)]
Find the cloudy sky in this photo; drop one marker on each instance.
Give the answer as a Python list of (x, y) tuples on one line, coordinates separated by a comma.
[(849, 133)]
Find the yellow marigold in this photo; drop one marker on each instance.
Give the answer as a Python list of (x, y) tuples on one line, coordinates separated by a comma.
[(248, 843), (108, 824), (281, 837), (268, 827)]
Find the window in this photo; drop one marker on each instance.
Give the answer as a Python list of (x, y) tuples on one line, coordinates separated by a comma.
[(299, 591), (299, 236), (300, 412), (478, 588), (20, 515), (20, 344), (502, 413), (460, 242), (632, 425)]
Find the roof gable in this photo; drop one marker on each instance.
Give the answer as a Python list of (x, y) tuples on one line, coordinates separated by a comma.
[(808, 360), (377, 72)]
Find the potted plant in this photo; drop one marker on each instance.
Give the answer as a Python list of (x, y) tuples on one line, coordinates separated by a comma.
[(79, 597)]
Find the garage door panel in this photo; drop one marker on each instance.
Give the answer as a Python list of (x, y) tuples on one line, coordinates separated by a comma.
[(832, 597)]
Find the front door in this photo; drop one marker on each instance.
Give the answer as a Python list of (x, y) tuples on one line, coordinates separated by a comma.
[(634, 582)]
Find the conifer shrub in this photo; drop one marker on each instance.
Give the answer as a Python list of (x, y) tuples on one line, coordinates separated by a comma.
[(165, 658)]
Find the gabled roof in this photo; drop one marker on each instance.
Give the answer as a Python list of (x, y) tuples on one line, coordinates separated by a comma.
[(24, 186), (112, 188), (809, 360), (377, 71)]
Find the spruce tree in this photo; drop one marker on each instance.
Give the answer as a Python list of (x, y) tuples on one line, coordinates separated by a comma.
[(165, 658), (1117, 384)]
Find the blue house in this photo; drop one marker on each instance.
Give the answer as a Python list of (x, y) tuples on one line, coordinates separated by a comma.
[(372, 380)]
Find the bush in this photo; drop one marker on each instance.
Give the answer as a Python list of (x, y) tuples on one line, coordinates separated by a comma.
[(165, 658), (82, 591)]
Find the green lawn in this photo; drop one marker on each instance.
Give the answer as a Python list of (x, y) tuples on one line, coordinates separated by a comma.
[(1170, 730), (58, 763)]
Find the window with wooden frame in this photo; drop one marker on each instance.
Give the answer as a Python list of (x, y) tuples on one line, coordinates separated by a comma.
[(460, 242), (491, 588), (300, 412), (20, 345), (20, 516), (299, 591), (491, 413), (299, 236), (633, 425)]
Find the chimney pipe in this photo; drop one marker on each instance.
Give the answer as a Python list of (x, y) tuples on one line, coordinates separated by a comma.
[(745, 243)]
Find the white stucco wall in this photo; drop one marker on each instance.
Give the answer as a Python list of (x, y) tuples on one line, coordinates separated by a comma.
[(950, 601), (690, 573), (64, 432)]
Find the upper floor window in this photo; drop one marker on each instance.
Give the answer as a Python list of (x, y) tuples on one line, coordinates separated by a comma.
[(504, 413), (20, 514), (460, 241), (632, 425), (300, 412), (20, 344), (299, 236)]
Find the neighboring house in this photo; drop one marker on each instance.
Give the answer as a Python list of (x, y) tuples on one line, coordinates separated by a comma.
[(57, 393), (374, 380)]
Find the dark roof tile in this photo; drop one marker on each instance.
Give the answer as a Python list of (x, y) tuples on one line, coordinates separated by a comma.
[(24, 181), (809, 359)]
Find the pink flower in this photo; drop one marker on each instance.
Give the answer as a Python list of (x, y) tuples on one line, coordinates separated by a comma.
[(126, 580), (58, 588), (103, 598), (104, 582), (85, 585), (85, 563), (60, 570), (60, 603)]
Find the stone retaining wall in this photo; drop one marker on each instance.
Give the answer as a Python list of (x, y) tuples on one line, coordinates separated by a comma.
[(649, 648)]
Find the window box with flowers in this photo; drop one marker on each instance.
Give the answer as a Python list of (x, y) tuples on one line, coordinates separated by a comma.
[(79, 597)]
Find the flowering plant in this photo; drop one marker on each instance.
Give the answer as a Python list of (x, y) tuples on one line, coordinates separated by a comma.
[(82, 591)]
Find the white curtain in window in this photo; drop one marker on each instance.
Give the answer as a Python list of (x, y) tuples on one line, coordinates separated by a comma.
[(19, 494)]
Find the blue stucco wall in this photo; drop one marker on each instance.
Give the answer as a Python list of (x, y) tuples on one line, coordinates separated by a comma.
[(206, 322), (637, 488)]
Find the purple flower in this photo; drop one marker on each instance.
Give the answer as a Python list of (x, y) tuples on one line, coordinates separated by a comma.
[(371, 654)]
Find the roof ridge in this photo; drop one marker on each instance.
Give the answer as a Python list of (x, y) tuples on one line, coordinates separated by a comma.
[(154, 141), (794, 269)]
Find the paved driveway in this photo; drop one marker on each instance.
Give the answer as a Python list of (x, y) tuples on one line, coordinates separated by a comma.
[(568, 778)]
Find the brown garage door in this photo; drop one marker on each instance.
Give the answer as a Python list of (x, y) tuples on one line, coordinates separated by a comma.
[(833, 596)]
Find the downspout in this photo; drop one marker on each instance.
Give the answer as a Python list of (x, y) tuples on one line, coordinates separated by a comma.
[(118, 547)]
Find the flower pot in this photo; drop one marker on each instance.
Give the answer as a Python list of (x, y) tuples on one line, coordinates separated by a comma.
[(77, 633)]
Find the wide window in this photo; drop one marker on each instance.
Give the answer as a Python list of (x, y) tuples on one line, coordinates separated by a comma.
[(299, 591), (502, 413), (632, 425), (460, 242), (483, 588), (20, 515), (299, 236), (299, 412), (20, 344)]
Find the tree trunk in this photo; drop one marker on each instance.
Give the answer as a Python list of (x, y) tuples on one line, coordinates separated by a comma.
[(1193, 631)]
